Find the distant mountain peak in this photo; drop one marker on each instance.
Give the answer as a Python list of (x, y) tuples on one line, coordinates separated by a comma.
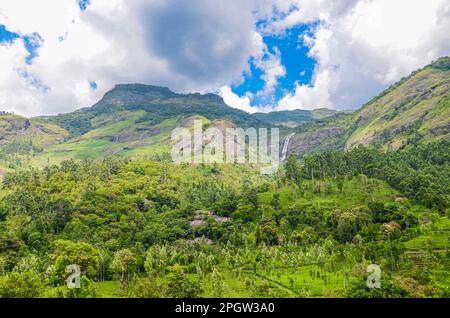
[(141, 88), (123, 94)]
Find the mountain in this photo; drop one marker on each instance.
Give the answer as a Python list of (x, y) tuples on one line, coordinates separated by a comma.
[(415, 109), (20, 136), (136, 120), (148, 227), (295, 118), (154, 104)]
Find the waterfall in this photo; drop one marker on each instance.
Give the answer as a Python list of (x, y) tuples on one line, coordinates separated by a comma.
[(285, 146)]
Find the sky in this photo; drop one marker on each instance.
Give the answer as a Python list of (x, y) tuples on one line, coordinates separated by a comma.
[(259, 55)]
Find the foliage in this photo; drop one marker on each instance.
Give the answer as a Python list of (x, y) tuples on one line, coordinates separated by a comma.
[(67, 253), (123, 263), (143, 288), (180, 286), (21, 285), (419, 171), (168, 230)]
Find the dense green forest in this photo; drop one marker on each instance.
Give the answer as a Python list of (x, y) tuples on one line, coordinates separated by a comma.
[(224, 156), (96, 188), (150, 228)]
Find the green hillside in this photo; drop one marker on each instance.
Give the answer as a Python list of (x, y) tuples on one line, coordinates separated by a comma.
[(416, 109), (21, 138), (294, 118), (155, 229), (154, 104), (96, 188)]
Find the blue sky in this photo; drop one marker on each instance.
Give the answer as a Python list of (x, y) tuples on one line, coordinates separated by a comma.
[(32, 42), (294, 57), (258, 55)]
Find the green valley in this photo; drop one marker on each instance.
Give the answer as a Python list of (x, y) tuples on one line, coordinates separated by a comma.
[(97, 188)]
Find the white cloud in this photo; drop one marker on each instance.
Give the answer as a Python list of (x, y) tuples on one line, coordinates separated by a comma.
[(308, 97), (272, 69), (295, 12), (243, 103), (47, 17), (233, 100), (186, 45), (14, 89), (363, 46)]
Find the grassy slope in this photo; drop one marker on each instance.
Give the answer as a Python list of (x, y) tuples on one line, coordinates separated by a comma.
[(15, 129), (127, 136), (101, 142), (416, 108), (436, 236), (21, 138), (281, 284)]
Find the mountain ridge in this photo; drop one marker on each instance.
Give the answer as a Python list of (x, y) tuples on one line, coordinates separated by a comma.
[(296, 117), (405, 109), (414, 109), (159, 102), (135, 119)]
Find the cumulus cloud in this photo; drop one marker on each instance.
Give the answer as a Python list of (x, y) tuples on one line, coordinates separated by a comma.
[(235, 101), (363, 46), (272, 68), (204, 41), (187, 45), (243, 103), (308, 96), (12, 80)]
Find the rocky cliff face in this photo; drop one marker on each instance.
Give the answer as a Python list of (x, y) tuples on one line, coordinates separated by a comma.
[(15, 131), (414, 109)]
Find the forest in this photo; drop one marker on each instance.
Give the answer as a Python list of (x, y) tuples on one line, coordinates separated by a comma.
[(206, 152), (151, 228)]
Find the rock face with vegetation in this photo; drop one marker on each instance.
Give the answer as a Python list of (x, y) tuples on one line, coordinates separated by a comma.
[(416, 109), (96, 188), (20, 137), (295, 118), (38, 133), (154, 105)]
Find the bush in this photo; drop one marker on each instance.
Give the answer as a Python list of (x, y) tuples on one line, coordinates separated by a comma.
[(180, 286), (359, 289), (21, 285), (86, 290), (143, 288)]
